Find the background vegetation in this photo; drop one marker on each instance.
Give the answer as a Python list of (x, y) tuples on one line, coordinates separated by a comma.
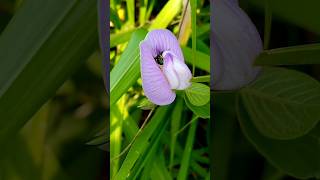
[(52, 96), (270, 129)]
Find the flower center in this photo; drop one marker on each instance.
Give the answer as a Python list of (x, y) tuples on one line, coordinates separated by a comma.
[(159, 59)]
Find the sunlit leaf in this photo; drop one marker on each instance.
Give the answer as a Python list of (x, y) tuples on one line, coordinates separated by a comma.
[(198, 94), (166, 15), (127, 70), (201, 111)]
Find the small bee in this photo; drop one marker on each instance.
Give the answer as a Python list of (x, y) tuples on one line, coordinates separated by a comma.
[(159, 59)]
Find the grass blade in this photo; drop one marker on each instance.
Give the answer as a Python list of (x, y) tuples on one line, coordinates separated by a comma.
[(203, 62), (143, 11), (131, 12), (120, 37), (193, 4), (127, 70), (141, 143), (295, 55), (31, 72), (183, 172), (167, 14)]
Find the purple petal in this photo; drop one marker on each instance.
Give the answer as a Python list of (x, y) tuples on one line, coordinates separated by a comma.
[(163, 40), (236, 43), (154, 83)]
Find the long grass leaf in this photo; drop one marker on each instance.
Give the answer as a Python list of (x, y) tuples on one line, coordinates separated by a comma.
[(193, 4), (45, 42), (203, 61), (127, 70), (141, 143), (183, 172), (167, 14)]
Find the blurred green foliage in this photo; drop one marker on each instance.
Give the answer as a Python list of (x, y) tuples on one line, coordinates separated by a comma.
[(53, 143), (270, 128)]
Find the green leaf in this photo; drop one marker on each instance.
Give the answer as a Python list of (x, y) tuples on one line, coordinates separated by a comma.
[(167, 14), (298, 157), (45, 42), (183, 172), (175, 125), (131, 12), (193, 4), (308, 16), (142, 142), (205, 78), (198, 94), (201, 111), (283, 104), (99, 140), (203, 60), (120, 37), (295, 55), (143, 11), (115, 19), (145, 104), (127, 70)]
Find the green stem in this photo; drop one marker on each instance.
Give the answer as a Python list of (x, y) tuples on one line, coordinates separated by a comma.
[(267, 25), (186, 125), (205, 78), (135, 137), (193, 4)]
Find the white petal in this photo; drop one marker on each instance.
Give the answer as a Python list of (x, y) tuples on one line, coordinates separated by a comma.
[(183, 73), (169, 72)]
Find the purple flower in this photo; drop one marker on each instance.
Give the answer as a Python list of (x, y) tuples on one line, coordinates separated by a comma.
[(163, 69), (236, 43)]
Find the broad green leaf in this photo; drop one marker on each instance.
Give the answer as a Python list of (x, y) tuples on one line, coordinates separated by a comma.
[(295, 55), (203, 60), (198, 94), (283, 104), (302, 14), (201, 111), (298, 157), (127, 70), (44, 43), (167, 14)]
